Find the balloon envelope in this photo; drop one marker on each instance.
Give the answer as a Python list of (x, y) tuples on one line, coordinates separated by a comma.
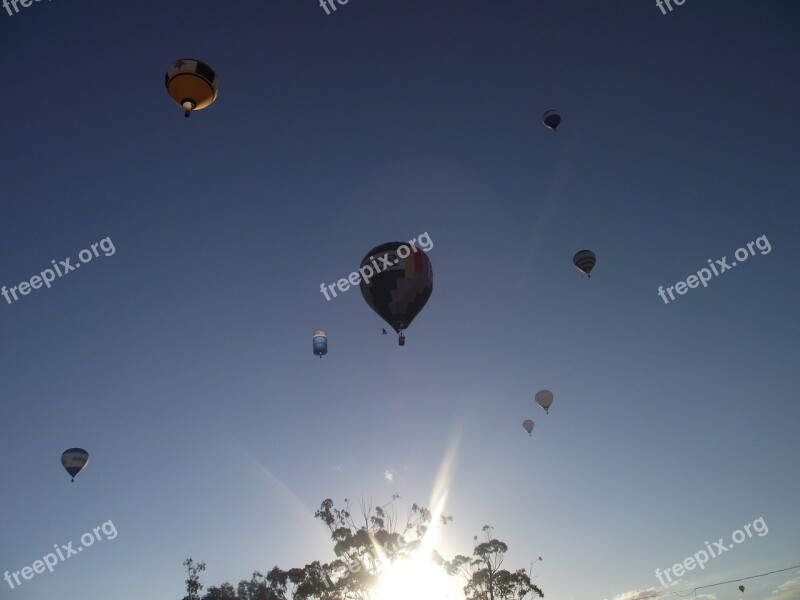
[(741, 588), (544, 398), (551, 119), (401, 283), (320, 340), (584, 260), (74, 460), (528, 425), (191, 83)]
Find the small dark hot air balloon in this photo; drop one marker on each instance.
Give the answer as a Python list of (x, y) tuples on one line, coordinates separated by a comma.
[(741, 588), (527, 424), (551, 119), (320, 342), (74, 460), (584, 261), (399, 287), (192, 84)]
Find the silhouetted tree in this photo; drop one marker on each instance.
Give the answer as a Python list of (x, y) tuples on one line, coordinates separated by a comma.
[(485, 579), (193, 586), (224, 592), (363, 548), (362, 551)]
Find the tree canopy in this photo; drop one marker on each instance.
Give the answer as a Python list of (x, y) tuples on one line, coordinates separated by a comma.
[(363, 550), (485, 579)]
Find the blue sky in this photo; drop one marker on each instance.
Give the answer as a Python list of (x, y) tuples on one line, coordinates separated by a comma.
[(183, 362)]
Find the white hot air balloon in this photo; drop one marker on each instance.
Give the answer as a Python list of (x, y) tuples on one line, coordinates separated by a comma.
[(544, 398)]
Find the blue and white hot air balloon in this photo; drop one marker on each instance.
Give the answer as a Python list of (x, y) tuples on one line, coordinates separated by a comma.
[(320, 343)]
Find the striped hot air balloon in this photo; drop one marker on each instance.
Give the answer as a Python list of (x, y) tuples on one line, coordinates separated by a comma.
[(400, 286), (74, 460), (584, 261)]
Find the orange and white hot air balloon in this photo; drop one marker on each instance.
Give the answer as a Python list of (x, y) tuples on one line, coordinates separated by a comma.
[(192, 84)]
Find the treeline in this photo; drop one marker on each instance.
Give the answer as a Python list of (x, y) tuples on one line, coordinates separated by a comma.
[(363, 552)]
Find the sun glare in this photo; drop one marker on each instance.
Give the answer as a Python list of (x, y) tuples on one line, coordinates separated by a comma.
[(416, 578)]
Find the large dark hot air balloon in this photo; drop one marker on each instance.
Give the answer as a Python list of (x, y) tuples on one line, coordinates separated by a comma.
[(192, 84), (584, 261), (74, 460), (396, 282)]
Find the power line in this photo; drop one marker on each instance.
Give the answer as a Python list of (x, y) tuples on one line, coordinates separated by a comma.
[(745, 578), (700, 587)]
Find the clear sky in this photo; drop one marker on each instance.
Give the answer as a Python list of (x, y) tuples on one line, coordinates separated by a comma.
[(183, 362)]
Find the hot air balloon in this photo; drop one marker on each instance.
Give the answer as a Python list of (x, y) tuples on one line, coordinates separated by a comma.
[(544, 398), (399, 287), (551, 119), (192, 84), (74, 460), (320, 343), (584, 260), (741, 588), (528, 426)]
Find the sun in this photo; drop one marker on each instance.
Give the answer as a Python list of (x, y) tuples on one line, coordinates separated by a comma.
[(419, 578), (416, 576)]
